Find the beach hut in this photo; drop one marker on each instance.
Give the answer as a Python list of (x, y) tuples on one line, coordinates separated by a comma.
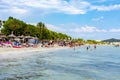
[(11, 36)]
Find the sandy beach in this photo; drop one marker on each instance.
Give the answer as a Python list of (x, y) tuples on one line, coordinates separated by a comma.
[(30, 49), (11, 53)]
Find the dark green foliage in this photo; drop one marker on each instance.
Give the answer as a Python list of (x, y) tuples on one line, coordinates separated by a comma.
[(91, 41), (14, 25), (19, 27)]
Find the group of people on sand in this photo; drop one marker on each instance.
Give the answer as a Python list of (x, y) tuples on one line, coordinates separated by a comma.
[(18, 43)]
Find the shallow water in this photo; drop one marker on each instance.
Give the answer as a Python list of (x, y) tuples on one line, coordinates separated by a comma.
[(102, 63)]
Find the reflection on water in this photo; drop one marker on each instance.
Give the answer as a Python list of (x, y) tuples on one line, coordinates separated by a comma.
[(100, 64)]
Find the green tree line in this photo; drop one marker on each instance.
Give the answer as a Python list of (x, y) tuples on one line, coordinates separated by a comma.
[(19, 28)]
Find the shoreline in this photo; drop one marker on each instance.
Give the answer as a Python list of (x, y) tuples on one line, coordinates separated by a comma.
[(13, 53), (30, 49)]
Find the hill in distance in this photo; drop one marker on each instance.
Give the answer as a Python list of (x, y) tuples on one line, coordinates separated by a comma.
[(112, 40)]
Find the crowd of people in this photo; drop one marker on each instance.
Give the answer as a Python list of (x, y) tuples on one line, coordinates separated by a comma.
[(33, 42), (18, 43)]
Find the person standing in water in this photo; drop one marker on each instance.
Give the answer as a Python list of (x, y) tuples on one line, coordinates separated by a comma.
[(94, 46), (87, 48)]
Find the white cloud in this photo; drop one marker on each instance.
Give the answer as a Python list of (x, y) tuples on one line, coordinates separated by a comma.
[(106, 8), (45, 4), (76, 28), (114, 30), (11, 7), (88, 32), (25, 8), (57, 6), (17, 10), (55, 28), (48, 6), (87, 29)]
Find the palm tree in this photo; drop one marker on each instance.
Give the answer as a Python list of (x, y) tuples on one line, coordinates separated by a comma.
[(41, 26)]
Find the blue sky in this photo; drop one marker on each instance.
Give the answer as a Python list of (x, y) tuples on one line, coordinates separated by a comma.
[(87, 19)]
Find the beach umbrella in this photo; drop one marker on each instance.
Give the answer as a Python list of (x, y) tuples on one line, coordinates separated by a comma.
[(2, 36), (11, 36), (17, 39), (27, 37), (22, 36)]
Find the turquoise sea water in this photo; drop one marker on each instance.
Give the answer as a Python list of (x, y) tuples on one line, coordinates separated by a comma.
[(102, 63)]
